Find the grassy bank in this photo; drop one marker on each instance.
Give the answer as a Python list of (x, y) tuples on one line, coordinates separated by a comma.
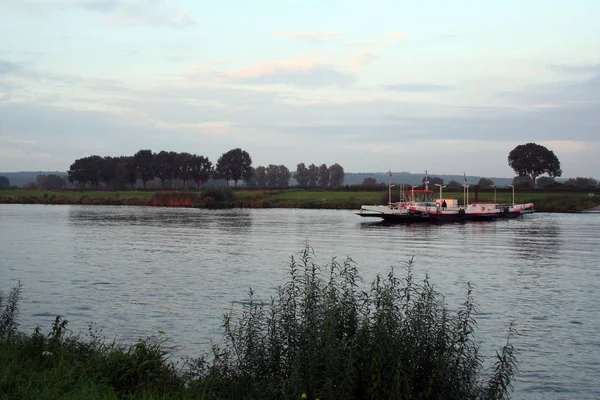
[(323, 336), (545, 201)]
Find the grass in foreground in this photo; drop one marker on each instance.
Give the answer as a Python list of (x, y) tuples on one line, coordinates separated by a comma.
[(322, 336)]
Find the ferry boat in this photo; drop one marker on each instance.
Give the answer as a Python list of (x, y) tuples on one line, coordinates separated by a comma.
[(421, 206)]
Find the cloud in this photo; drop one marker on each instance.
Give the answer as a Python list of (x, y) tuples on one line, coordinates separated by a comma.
[(280, 124), (129, 12), (309, 72), (397, 35), (417, 87), (365, 42), (9, 67), (312, 36), (363, 58), (575, 69), (329, 36)]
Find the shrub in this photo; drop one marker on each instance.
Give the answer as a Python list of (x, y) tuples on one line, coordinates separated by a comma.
[(218, 193), (9, 309), (325, 336)]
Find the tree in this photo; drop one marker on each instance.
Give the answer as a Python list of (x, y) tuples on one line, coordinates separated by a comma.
[(522, 182), (201, 169), (277, 175), (582, 183), (454, 186), (164, 167), (283, 178), (108, 171), (301, 175), (485, 183), (86, 170), (323, 176), (545, 182), (313, 175), (4, 183), (272, 173), (260, 176), (51, 181), (336, 175), (234, 165), (533, 160), (183, 166), (433, 180), (143, 161), (369, 181)]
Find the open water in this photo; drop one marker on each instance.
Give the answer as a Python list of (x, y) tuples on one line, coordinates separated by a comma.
[(135, 270)]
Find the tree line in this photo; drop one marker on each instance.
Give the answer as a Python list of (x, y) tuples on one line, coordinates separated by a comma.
[(168, 166)]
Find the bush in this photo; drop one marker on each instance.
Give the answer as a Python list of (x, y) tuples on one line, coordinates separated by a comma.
[(9, 310), (324, 336), (218, 193)]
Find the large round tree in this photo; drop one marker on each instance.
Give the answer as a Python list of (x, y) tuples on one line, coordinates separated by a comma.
[(533, 160), (234, 165)]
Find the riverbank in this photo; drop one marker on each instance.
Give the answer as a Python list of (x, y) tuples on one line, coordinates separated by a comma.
[(289, 198)]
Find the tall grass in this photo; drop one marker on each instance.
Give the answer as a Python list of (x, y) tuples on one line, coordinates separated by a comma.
[(327, 337), (325, 334)]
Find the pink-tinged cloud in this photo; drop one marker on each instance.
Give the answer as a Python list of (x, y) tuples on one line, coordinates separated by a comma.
[(365, 42), (313, 36), (310, 72), (397, 35), (355, 64)]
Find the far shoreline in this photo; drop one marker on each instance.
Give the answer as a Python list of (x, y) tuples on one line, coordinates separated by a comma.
[(292, 198)]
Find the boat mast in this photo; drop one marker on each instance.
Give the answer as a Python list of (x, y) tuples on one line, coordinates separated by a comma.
[(426, 181)]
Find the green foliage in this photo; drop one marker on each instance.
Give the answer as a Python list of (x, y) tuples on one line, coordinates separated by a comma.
[(9, 311), (301, 175), (144, 165), (369, 181), (323, 180), (234, 165), (485, 183), (313, 175), (581, 182), (325, 336), (4, 183), (533, 160), (218, 193), (336, 175), (522, 182)]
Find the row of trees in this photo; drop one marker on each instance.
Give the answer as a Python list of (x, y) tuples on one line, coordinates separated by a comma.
[(321, 176), (235, 165), (275, 176), (118, 172)]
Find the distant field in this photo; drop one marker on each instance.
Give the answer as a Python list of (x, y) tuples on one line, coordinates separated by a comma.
[(291, 198)]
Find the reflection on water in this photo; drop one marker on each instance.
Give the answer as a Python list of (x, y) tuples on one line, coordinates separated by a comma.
[(536, 240), (137, 270)]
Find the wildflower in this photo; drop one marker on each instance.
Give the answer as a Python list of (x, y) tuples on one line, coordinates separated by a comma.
[(46, 353), (303, 396)]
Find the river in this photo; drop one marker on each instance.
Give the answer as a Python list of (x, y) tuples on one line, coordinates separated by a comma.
[(136, 270)]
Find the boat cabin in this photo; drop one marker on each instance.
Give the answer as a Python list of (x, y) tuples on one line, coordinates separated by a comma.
[(420, 196)]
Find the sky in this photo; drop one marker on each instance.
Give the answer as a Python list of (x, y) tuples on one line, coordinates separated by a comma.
[(444, 86)]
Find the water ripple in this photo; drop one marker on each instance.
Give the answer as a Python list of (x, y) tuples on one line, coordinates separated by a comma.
[(137, 270)]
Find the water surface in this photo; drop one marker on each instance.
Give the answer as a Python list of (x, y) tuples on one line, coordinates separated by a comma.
[(137, 270)]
